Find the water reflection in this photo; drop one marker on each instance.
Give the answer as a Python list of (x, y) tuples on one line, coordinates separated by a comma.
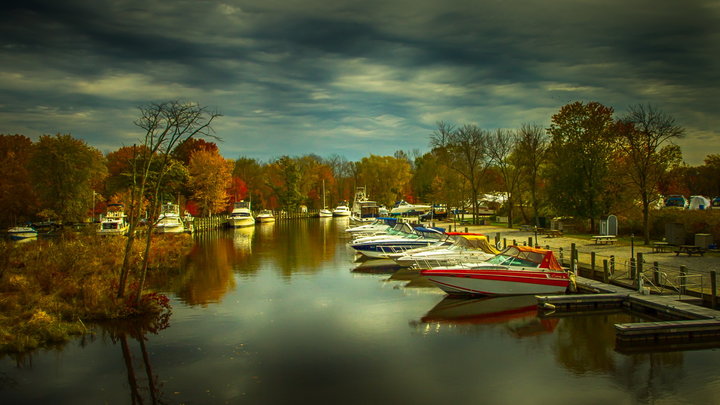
[(518, 315)]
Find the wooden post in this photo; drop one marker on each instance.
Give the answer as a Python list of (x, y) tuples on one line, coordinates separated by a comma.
[(592, 265), (466, 229), (683, 279), (530, 241), (713, 287), (561, 257), (656, 273), (606, 271), (573, 262), (504, 243), (632, 268), (639, 269), (612, 264)]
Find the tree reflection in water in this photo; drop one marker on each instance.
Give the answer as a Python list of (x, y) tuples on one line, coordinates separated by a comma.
[(138, 329)]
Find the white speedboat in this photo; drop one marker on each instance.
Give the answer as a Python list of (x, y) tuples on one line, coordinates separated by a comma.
[(405, 208), (465, 248), (265, 216), (382, 247), (22, 232), (114, 222), (169, 220), (341, 210), (517, 270), (380, 225), (241, 215)]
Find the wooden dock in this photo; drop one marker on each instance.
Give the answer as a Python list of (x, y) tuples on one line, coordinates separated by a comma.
[(692, 324)]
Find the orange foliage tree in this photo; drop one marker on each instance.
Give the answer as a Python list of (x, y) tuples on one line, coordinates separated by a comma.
[(210, 177)]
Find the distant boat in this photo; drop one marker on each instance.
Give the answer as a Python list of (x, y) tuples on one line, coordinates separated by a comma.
[(405, 208), (324, 212), (241, 215), (169, 220), (265, 216), (364, 209), (22, 232), (342, 210), (114, 222)]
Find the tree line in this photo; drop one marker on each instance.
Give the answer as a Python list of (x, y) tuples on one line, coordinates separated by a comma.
[(588, 163)]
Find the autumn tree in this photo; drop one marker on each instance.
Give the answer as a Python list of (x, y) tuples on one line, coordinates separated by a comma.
[(465, 151), (385, 178), (165, 126), (529, 156), (17, 197), (64, 172), (645, 138), (579, 157), (186, 148), (250, 172), (284, 179), (210, 176), (501, 145)]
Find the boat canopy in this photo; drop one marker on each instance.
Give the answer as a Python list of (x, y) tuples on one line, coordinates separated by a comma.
[(545, 258)]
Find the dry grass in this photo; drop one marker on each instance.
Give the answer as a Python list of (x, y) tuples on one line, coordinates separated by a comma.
[(48, 288)]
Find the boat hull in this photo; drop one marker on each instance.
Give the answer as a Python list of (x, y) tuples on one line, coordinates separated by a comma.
[(22, 233), (241, 222), (498, 281), (383, 250)]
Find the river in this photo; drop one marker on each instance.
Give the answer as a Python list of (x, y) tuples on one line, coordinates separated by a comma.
[(281, 313)]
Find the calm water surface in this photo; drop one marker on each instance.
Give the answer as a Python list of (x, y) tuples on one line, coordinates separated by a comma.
[(281, 314)]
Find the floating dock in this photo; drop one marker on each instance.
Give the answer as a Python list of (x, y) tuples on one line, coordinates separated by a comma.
[(692, 324)]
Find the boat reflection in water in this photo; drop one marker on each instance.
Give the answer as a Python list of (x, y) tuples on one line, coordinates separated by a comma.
[(519, 314)]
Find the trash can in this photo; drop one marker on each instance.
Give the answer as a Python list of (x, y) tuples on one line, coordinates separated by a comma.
[(704, 240)]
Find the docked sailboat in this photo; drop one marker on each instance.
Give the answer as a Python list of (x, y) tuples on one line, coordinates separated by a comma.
[(169, 220), (115, 221), (324, 212), (516, 270), (241, 215)]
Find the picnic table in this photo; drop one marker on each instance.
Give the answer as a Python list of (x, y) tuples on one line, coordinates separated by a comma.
[(660, 247), (690, 250), (553, 233), (604, 239)]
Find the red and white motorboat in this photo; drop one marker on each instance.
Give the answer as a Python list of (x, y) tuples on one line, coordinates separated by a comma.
[(516, 270)]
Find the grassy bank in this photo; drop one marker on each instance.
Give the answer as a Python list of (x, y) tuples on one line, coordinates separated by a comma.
[(51, 289)]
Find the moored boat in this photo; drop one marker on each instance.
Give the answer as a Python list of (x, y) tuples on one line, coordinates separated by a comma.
[(405, 208), (114, 222), (516, 270), (169, 220), (342, 210), (383, 246), (22, 232), (265, 216), (241, 215)]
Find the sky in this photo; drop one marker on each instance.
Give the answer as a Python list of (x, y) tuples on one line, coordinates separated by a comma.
[(353, 78)]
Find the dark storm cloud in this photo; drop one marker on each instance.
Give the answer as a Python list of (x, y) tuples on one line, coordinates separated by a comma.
[(342, 77)]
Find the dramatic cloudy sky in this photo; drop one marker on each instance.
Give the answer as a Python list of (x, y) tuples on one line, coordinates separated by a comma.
[(293, 77)]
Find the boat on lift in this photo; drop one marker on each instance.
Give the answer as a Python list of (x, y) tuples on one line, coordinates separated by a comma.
[(169, 220)]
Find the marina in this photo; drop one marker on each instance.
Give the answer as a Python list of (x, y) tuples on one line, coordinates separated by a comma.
[(285, 310)]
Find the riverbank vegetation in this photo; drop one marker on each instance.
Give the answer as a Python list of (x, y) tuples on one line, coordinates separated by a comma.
[(54, 289)]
